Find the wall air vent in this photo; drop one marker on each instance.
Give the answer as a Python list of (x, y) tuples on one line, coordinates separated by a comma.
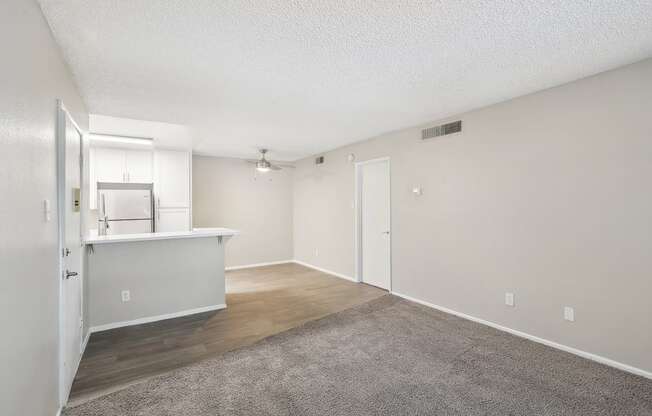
[(442, 130)]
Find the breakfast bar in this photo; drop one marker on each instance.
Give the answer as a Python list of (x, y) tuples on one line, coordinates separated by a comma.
[(139, 278)]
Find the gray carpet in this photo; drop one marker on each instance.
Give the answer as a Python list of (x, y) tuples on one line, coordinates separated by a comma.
[(387, 357)]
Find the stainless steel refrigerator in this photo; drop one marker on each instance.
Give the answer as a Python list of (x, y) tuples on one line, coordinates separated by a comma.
[(125, 208)]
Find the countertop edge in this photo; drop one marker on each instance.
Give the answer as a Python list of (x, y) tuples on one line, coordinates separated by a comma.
[(131, 238)]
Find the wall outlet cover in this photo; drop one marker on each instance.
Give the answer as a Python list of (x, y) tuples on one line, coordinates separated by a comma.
[(126, 296), (569, 314), (509, 299)]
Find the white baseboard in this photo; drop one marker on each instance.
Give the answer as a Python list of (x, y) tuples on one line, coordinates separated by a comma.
[(342, 276), (85, 343), (566, 348), (149, 319), (248, 266)]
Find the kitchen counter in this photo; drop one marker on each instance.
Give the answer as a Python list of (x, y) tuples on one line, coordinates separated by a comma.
[(128, 238), (139, 278)]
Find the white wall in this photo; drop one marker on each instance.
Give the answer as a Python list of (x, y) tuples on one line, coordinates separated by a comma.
[(32, 76), (547, 196), (230, 193)]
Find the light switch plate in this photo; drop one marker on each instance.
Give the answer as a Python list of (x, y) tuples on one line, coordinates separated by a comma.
[(569, 314), (47, 210), (509, 299)]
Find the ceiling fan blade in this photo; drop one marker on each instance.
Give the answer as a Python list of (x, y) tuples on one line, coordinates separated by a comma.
[(274, 167), (253, 161)]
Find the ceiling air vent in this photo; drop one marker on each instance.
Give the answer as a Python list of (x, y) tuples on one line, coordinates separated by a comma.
[(444, 129)]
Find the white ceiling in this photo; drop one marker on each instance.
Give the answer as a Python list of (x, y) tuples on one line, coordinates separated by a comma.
[(302, 77)]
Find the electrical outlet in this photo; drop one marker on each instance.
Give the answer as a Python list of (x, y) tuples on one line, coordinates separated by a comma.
[(569, 314), (509, 299), (126, 296)]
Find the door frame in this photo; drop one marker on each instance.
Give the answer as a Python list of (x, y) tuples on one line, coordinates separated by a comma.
[(60, 139), (358, 216)]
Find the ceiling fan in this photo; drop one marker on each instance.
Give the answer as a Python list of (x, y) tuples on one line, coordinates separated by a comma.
[(263, 165)]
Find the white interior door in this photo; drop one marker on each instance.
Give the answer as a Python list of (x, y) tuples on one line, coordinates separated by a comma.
[(71, 280), (374, 215)]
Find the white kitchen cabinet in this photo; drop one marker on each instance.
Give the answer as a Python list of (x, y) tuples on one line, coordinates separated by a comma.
[(172, 178), (109, 164), (173, 219), (138, 166)]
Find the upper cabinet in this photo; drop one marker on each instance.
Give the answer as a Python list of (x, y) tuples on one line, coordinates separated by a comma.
[(138, 166), (172, 178), (169, 170), (108, 164)]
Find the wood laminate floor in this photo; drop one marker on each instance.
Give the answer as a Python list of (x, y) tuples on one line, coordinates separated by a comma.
[(260, 302)]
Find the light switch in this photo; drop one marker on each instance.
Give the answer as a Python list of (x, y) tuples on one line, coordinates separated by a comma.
[(47, 210), (509, 299)]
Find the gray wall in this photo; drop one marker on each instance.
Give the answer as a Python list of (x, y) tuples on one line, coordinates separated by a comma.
[(32, 76), (162, 276), (547, 196), (230, 193)]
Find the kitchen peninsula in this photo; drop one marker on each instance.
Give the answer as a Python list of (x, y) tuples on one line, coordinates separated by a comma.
[(139, 278)]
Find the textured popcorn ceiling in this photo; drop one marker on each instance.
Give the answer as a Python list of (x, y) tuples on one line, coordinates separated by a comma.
[(301, 77)]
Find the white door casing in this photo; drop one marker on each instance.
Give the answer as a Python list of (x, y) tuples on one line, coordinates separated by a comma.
[(373, 222), (69, 180)]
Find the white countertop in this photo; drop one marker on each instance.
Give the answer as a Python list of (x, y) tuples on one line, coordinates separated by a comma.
[(127, 238)]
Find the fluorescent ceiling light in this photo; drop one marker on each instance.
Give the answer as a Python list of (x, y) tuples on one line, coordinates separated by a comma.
[(121, 139)]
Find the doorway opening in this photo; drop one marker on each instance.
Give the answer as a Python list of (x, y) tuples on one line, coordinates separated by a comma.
[(373, 223)]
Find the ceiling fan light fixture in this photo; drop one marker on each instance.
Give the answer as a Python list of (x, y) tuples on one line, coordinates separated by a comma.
[(263, 165)]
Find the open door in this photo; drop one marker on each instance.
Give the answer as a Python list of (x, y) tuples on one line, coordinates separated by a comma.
[(69, 158)]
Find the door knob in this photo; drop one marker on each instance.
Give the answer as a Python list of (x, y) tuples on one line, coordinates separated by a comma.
[(70, 274)]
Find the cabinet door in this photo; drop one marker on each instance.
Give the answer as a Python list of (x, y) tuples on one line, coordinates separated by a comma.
[(172, 179), (173, 220), (138, 165), (109, 165), (105, 165)]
